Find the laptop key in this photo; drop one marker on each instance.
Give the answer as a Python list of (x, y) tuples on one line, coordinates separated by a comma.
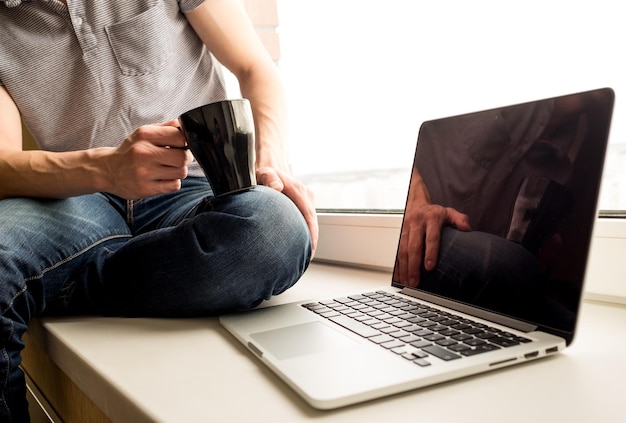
[(480, 349), (441, 353), (421, 362), (409, 338), (391, 344), (355, 326), (422, 332), (357, 297), (474, 342), (504, 342), (381, 338), (421, 344), (461, 337), (379, 325), (486, 335), (461, 326), (446, 342), (459, 348), (390, 329), (313, 306)]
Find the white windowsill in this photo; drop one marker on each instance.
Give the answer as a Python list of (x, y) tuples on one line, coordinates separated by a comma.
[(370, 240)]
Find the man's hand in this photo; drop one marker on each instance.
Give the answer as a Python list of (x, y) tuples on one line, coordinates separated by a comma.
[(420, 239), (297, 192), (149, 161)]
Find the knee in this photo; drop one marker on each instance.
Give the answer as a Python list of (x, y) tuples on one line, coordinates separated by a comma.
[(482, 268), (282, 248), (269, 248), (277, 218)]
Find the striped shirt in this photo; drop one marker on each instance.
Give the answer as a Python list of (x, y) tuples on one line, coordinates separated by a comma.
[(87, 74)]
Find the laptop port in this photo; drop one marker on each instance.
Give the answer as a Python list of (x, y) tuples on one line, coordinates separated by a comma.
[(552, 350), (531, 354)]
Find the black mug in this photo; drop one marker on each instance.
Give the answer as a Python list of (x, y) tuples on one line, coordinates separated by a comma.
[(221, 137)]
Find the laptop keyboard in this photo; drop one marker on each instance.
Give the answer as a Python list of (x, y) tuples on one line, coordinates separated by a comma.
[(411, 329)]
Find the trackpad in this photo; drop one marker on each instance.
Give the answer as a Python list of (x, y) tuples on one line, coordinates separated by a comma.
[(299, 340)]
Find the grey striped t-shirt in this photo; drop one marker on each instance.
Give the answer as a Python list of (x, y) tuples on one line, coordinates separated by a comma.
[(88, 74)]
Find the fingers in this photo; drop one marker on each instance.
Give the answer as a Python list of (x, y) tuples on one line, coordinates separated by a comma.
[(269, 177), (150, 161), (303, 199), (414, 255), (458, 220), (164, 134), (174, 122), (170, 155), (421, 240), (432, 239)]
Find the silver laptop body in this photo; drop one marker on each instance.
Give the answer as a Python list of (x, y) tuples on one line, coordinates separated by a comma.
[(518, 187)]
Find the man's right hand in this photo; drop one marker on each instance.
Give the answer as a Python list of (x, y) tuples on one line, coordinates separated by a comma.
[(149, 161)]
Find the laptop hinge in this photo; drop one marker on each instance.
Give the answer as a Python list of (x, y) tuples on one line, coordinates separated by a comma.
[(474, 311)]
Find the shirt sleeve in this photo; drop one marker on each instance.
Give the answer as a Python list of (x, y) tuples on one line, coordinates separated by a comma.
[(189, 5), (11, 3)]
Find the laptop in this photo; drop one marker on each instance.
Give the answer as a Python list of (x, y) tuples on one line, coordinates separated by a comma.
[(497, 282)]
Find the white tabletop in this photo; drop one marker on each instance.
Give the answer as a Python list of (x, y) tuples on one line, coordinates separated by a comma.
[(192, 370)]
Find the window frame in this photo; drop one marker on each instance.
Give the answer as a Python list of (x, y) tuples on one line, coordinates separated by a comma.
[(370, 241)]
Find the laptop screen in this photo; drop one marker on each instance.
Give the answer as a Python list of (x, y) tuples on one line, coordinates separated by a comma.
[(501, 207)]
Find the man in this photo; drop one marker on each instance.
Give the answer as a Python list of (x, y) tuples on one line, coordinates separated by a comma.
[(105, 217)]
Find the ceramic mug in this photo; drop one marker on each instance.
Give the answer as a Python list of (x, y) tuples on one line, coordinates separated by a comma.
[(220, 135)]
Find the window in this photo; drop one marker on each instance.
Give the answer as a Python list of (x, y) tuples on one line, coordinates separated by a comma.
[(362, 75)]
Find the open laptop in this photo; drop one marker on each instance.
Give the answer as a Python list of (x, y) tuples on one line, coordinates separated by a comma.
[(519, 187)]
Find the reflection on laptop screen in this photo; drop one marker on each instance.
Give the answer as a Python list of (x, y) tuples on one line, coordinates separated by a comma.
[(506, 200)]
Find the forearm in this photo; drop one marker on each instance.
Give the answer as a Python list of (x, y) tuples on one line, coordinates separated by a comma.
[(40, 173), (226, 30), (265, 92), (418, 194), (46, 174)]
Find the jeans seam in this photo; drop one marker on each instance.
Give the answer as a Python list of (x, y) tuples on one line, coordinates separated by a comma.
[(73, 256), (130, 214), (65, 260), (5, 382), (10, 303)]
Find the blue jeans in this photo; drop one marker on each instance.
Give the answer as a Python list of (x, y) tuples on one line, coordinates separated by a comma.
[(181, 254), (492, 272)]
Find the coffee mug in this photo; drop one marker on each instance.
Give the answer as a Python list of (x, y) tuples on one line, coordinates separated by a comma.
[(220, 135)]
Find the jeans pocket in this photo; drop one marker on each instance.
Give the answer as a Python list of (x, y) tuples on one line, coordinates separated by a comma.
[(141, 44)]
